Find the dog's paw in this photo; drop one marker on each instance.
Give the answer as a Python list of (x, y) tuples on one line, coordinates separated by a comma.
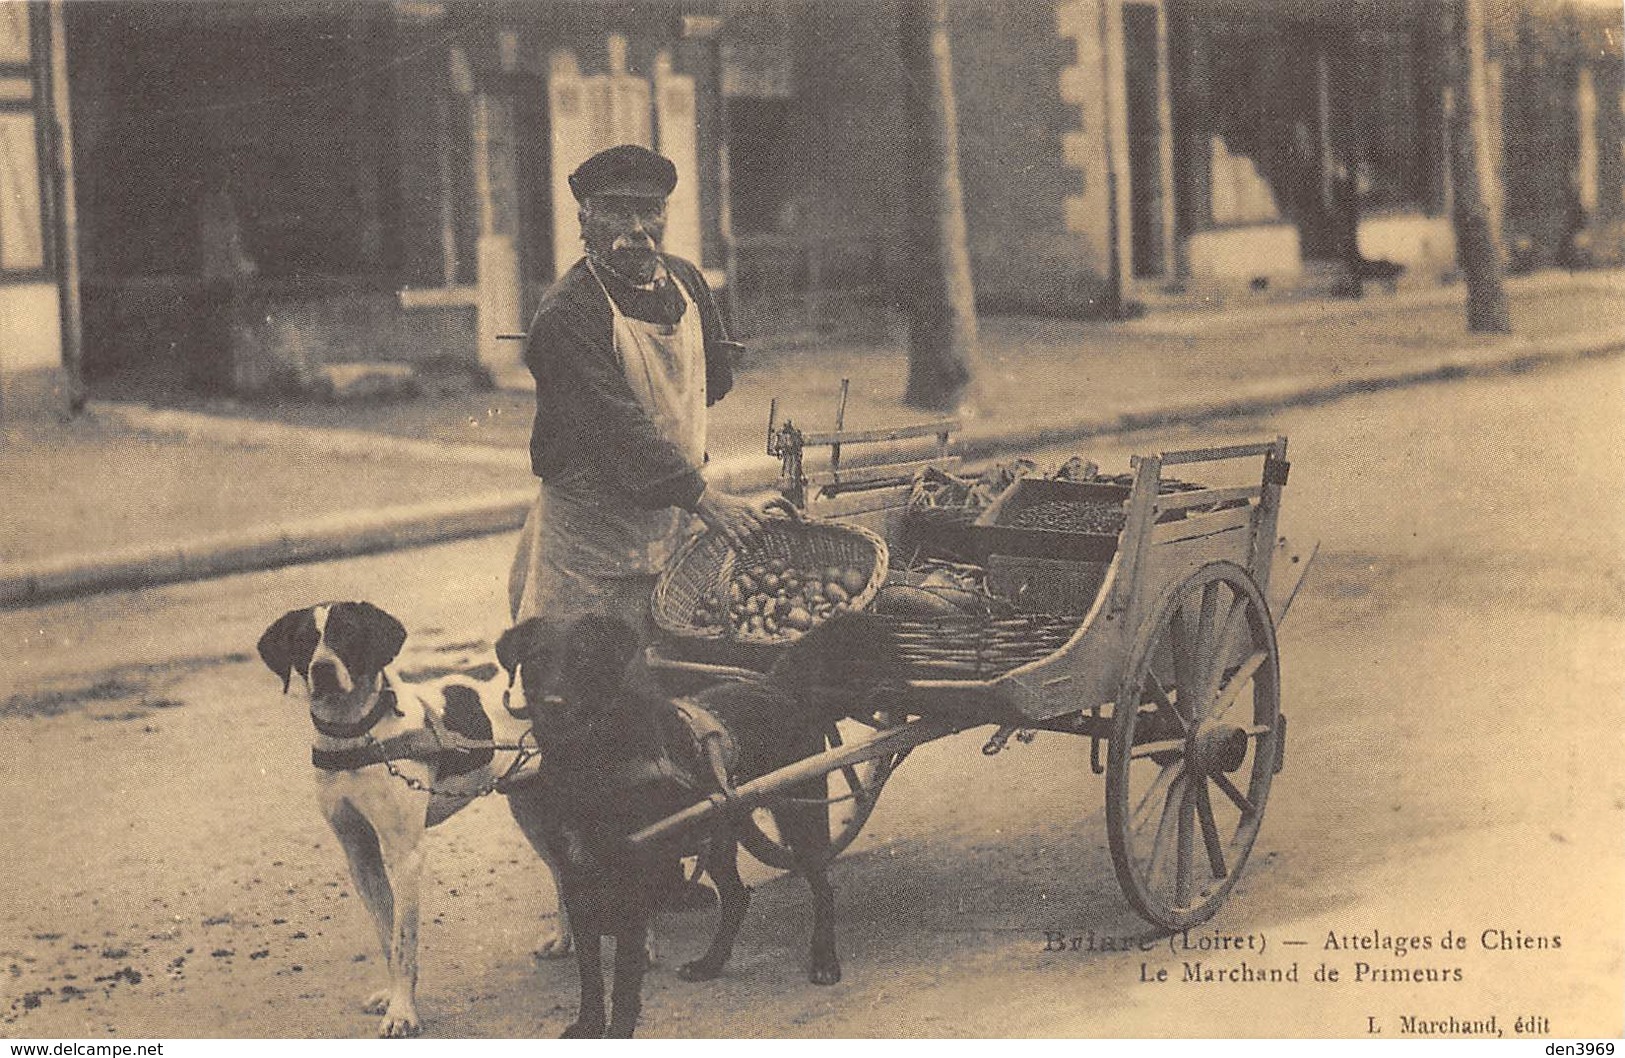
[(376, 1003), (398, 1023), (825, 975), (579, 1030), (699, 970)]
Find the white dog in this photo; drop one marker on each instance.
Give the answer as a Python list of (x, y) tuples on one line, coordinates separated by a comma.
[(394, 758)]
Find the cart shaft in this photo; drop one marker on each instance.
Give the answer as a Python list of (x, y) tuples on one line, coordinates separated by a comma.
[(759, 791)]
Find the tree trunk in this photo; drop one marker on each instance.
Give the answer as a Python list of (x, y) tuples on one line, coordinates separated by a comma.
[(939, 298), (1478, 241)]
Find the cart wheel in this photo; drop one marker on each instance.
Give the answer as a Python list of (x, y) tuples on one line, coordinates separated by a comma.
[(1196, 732), (856, 789)]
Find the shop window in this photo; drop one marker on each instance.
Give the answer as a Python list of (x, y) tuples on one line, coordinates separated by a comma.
[(22, 237), (13, 34), (22, 233)]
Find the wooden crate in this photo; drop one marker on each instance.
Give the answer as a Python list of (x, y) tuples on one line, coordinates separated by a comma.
[(992, 534)]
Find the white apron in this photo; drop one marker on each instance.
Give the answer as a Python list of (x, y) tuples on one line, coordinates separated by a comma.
[(578, 554)]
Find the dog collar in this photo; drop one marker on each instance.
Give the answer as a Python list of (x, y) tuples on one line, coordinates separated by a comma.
[(385, 704), (401, 747)]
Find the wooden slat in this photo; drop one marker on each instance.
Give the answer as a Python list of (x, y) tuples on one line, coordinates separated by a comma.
[(1269, 509), (1136, 537), (924, 429), (1179, 501), (881, 472), (1202, 525), (1207, 455), (859, 502), (876, 452)]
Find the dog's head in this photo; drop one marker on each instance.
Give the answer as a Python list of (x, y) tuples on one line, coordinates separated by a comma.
[(853, 653), (337, 647), (850, 649), (565, 671)]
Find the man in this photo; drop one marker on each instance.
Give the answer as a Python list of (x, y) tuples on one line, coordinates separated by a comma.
[(628, 350)]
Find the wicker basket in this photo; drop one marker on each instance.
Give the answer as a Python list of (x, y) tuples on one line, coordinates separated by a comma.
[(1045, 585), (707, 562), (978, 648)]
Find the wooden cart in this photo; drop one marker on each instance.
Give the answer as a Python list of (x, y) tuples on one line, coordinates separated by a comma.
[(1172, 673)]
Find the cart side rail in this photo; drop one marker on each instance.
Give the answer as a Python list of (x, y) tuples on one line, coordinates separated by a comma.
[(1146, 502), (1214, 454)]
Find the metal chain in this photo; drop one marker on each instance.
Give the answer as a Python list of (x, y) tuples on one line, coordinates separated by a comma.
[(524, 754)]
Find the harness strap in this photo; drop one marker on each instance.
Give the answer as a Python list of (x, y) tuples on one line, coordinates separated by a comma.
[(712, 744), (411, 745), (426, 743)]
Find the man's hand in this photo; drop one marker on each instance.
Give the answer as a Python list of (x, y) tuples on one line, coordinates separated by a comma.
[(736, 519)]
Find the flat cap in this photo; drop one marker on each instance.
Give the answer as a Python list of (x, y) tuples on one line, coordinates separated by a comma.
[(626, 169)]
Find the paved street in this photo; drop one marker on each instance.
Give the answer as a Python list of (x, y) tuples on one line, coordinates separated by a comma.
[(1453, 674)]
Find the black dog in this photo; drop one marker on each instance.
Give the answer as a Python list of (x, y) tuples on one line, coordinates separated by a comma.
[(616, 758)]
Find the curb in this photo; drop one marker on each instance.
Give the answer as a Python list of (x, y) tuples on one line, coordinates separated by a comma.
[(1178, 323), (416, 525), (338, 536), (357, 444)]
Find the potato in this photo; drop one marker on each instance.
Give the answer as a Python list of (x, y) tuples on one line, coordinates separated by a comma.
[(799, 619), (854, 580), (835, 593)]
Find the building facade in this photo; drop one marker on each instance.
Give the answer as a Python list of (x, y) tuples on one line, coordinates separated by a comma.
[(38, 311), (262, 189)]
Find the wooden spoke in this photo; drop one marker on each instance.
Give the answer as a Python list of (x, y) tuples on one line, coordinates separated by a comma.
[(1185, 669), (1235, 795), (1187, 841), (1207, 645), (1170, 809), (1158, 788), (1167, 745), (1238, 683), (1159, 694), (1239, 606), (1210, 831)]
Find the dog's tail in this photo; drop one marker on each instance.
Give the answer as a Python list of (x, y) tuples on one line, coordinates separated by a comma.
[(848, 660)]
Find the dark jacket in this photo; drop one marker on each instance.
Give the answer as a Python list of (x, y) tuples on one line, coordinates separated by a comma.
[(591, 436)]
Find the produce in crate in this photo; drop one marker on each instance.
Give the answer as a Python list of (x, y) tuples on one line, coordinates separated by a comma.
[(1071, 517)]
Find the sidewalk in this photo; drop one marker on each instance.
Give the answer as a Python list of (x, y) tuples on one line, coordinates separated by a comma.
[(127, 496)]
